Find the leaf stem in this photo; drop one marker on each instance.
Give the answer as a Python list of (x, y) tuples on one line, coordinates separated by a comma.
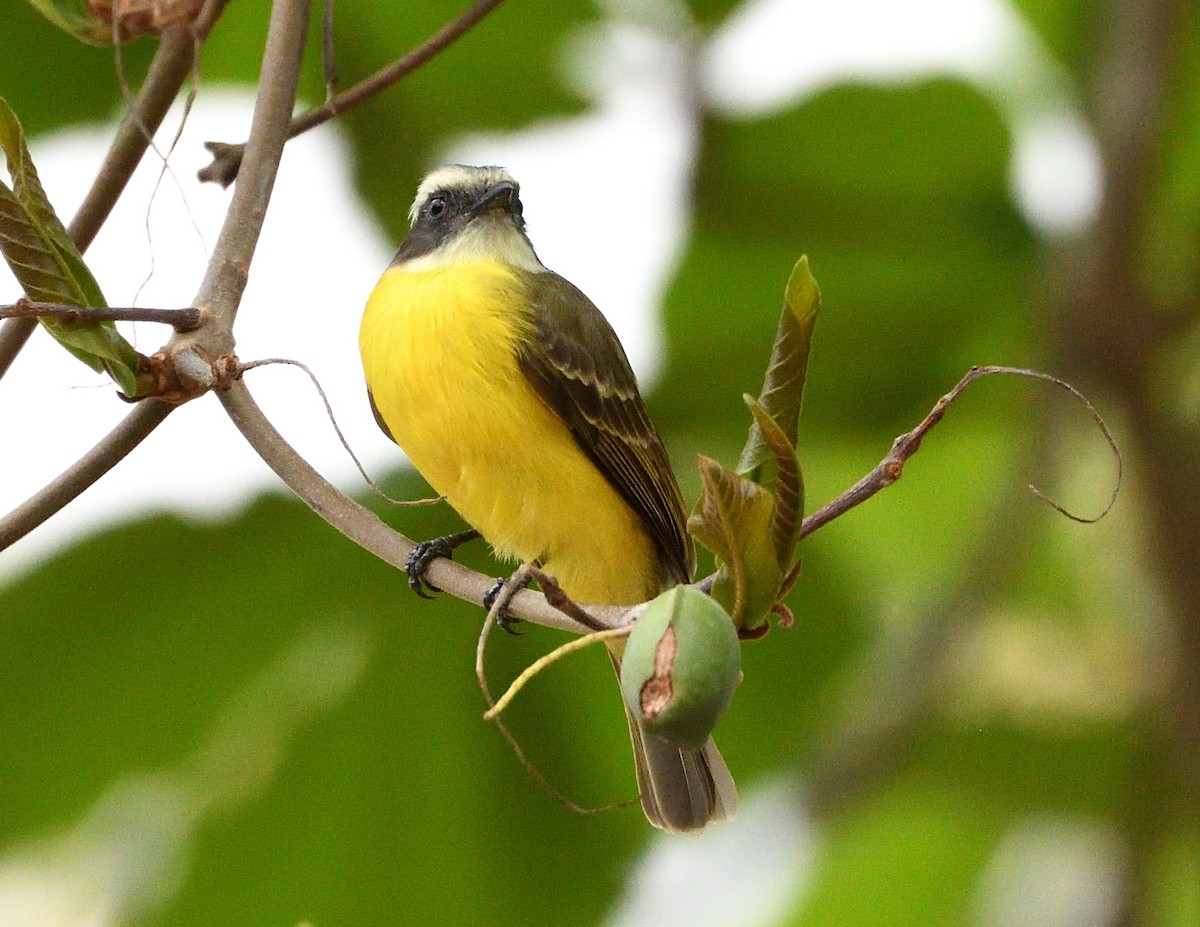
[(542, 662)]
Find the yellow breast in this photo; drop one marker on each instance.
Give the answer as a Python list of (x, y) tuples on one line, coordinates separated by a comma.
[(439, 350)]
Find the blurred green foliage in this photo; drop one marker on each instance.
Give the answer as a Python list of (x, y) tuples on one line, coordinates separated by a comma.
[(396, 804)]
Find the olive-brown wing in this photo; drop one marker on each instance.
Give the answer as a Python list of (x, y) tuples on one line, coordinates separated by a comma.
[(577, 366)]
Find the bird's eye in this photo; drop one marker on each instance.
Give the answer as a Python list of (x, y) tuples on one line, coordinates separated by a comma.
[(437, 206)]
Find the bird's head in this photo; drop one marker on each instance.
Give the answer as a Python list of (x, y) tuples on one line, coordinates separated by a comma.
[(463, 213)]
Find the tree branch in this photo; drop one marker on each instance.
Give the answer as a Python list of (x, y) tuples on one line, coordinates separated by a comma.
[(227, 158), (891, 468), (173, 61), (364, 528)]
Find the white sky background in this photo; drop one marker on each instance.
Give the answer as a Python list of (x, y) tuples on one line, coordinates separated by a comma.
[(321, 252)]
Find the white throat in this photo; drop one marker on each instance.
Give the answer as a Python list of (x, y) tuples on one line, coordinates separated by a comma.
[(485, 239)]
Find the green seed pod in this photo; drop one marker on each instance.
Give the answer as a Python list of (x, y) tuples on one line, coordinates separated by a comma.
[(681, 664)]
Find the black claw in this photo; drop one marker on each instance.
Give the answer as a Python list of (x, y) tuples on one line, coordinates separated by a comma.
[(503, 618), (418, 561), (489, 597), (425, 553)]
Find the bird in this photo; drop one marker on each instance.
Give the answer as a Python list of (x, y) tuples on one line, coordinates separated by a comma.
[(511, 394)]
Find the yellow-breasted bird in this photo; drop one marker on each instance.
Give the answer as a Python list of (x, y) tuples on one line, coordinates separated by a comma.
[(510, 393)]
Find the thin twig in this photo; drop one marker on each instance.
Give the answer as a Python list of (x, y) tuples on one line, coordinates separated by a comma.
[(549, 659), (504, 600), (375, 487), (144, 418), (384, 78), (564, 603), (205, 19), (177, 53), (183, 320), (891, 468), (227, 158)]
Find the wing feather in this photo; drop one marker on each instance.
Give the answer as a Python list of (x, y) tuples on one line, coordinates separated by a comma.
[(577, 366)]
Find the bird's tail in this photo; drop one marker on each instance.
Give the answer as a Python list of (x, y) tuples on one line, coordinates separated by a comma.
[(681, 790)]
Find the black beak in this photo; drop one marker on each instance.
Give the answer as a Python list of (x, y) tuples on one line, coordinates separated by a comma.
[(497, 196)]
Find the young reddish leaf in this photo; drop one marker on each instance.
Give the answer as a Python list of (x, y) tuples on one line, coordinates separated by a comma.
[(788, 511), (732, 518)]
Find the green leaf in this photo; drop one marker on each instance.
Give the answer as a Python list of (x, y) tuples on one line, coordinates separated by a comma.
[(74, 18), (48, 265), (787, 513), (783, 386), (27, 190), (733, 518), (101, 347)]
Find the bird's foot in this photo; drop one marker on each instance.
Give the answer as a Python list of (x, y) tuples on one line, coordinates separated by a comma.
[(498, 597), (425, 553)]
